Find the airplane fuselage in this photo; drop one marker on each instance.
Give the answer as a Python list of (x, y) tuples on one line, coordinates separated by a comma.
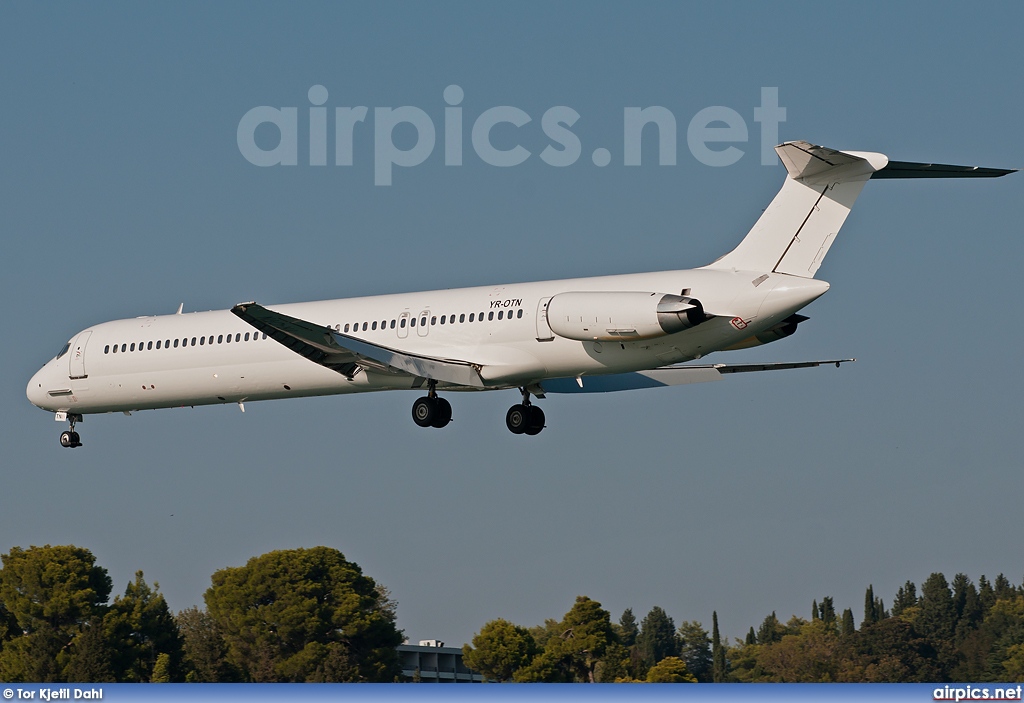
[(187, 359)]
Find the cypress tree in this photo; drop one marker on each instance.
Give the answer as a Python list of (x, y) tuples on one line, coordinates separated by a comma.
[(717, 651), (847, 627), (906, 597), (751, 637), (869, 606)]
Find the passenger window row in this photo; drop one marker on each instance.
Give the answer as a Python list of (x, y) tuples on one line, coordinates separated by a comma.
[(433, 320), (183, 342)]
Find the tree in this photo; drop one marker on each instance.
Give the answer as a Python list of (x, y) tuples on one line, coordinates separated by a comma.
[(657, 638), (695, 649), (162, 669), (500, 649), (827, 612), (91, 658), (670, 670), (771, 630), (51, 593), (304, 614), (906, 597), (139, 626), (573, 654), (628, 629), (205, 659), (847, 627), (937, 618), (718, 663)]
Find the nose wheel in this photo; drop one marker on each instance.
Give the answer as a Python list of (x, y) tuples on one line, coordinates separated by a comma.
[(525, 418), (70, 438), (430, 410)]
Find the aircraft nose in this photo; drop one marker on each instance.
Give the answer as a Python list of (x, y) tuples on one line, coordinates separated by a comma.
[(35, 392)]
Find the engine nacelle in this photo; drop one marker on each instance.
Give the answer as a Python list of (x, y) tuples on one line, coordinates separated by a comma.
[(772, 334), (621, 316)]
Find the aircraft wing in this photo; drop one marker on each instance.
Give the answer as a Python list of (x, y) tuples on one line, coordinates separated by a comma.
[(347, 355), (668, 376)]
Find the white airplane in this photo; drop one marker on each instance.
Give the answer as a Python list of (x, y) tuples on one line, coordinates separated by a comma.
[(583, 335)]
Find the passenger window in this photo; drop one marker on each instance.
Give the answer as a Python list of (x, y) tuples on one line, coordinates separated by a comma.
[(220, 338), (193, 341), (392, 324), (202, 341), (167, 344), (132, 347), (402, 323), (238, 336), (471, 316), (443, 317), (264, 335), (480, 317), (423, 321), (175, 343), (374, 327), (106, 349), (412, 322), (501, 314), (490, 315), (519, 313), (158, 344), (364, 326), (149, 345), (462, 317), (227, 338), (433, 320)]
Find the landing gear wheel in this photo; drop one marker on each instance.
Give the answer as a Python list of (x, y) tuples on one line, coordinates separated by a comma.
[(517, 419), (425, 411), (443, 413), (69, 438), (536, 421)]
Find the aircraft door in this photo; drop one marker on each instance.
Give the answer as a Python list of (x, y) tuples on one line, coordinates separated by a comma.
[(77, 356), (403, 325), (423, 324), (544, 333)]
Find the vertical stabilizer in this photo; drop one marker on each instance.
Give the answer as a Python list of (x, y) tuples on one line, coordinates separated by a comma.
[(794, 234)]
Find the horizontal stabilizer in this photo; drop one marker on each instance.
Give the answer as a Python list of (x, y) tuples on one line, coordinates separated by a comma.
[(346, 355), (910, 169), (668, 376)]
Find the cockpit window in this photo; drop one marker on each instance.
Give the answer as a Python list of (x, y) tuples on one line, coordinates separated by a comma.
[(63, 350)]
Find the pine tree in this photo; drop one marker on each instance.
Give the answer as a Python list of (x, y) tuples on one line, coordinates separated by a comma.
[(827, 611), (751, 637), (814, 610), (627, 628), (657, 638), (1003, 588), (937, 619)]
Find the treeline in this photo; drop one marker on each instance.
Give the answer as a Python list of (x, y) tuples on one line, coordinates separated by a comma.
[(950, 632), (296, 615)]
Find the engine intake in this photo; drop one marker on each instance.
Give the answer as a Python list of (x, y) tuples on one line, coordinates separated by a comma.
[(616, 316)]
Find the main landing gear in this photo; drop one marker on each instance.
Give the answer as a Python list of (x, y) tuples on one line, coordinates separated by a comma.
[(525, 418), (70, 438), (433, 411), (430, 410)]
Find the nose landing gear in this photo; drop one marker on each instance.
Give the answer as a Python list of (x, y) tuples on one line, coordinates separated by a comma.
[(70, 438), (430, 410), (525, 418)]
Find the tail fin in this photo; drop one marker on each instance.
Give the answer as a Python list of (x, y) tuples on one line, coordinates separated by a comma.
[(793, 235)]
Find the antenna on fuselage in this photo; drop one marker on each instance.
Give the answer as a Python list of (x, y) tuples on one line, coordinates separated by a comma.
[(180, 306)]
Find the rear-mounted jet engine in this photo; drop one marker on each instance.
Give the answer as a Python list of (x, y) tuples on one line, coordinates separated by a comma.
[(616, 316)]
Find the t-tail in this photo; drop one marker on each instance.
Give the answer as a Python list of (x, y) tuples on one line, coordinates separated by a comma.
[(794, 234)]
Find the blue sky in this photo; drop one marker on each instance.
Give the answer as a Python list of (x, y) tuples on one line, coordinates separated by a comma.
[(124, 193)]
